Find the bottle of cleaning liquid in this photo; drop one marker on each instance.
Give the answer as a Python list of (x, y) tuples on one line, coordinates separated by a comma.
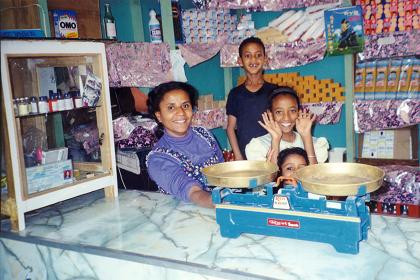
[(154, 28)]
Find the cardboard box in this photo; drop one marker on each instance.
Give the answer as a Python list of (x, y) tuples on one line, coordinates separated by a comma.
[(47, 176), (65, 24), (388, 144)]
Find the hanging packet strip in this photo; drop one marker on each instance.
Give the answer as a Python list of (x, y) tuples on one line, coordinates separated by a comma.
[(393, 78), (404, 80), (370, 80), (381, 79), (414, 88), (360, 80)]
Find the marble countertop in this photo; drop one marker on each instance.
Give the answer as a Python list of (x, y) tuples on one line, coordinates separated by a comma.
[(156, 225)]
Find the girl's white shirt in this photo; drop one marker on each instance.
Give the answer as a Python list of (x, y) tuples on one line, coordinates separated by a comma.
[(257, 148)]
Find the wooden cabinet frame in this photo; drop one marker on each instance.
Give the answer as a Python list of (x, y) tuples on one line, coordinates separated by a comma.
[(18, 202)]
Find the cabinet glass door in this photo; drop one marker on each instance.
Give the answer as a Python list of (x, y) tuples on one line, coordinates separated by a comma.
[(60, 119)]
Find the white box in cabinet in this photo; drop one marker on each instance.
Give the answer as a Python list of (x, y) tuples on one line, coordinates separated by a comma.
[(50, 175)]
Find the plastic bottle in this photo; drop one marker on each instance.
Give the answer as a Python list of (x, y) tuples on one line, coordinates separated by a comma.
[(34, 106), (43, 104), (68, 102), (77, 100), (154, 28), (109, 23)]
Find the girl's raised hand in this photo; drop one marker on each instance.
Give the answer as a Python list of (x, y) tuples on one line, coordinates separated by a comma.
[(271, 125), (304, 123)]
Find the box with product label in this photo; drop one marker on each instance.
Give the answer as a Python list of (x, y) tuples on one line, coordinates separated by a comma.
[(389, 144), (47, 176), (344, 30), (65, 24)]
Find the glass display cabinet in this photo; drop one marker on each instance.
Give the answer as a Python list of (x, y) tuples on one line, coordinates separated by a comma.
[(56, 108)]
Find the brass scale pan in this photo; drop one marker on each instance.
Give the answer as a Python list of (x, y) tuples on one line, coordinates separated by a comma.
[(338, 179)]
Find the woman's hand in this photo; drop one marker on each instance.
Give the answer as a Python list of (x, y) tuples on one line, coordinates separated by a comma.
[(271, 126), (304, 123), (200, 197)]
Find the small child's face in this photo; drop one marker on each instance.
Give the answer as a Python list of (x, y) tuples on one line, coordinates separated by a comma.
[(175, 112), (252, 58), (292, 163), (285, 111)]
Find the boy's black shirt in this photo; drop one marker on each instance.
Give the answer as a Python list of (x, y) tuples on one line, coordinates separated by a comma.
[(247, 107)]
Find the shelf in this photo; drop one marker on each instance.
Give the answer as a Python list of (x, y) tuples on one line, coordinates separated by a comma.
[(81, 179), (55, 112), (383, 161)]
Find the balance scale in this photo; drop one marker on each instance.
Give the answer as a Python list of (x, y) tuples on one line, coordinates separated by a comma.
[(294, 212)]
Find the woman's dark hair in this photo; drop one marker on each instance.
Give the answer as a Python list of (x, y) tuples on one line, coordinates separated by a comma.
[(156, 95), (250, 40), (284, 154), (283, 91)]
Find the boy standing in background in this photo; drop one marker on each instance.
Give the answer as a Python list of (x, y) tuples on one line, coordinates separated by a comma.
[(248, 101)]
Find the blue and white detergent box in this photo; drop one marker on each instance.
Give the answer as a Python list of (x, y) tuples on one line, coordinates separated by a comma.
[(50, 175), (65, 24)]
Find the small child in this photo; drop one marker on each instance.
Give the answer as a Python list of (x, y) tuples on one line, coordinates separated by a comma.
[(283, 116), (176, 160), (248, 101), (290, 160)]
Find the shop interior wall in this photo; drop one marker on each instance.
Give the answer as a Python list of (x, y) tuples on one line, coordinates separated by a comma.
[(208, 76)]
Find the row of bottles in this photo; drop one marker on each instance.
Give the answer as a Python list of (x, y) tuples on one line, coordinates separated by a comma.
[(46, 104), (111, 31)]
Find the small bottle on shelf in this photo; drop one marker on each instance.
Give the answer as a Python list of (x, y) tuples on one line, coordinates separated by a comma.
[(43, 104), (28, 104), (109, 23), (68, 101), (34, 106), (77, 100), (22, 107), (60, 102), (54, 103)]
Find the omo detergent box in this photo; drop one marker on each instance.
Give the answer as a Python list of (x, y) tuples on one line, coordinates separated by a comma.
[(65, 24)]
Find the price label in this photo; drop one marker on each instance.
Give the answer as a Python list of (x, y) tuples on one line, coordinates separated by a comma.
[(281, 202)]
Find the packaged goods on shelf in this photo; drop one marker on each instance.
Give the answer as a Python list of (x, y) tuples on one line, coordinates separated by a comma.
[(65, 24), (201, 26), (396, 78)]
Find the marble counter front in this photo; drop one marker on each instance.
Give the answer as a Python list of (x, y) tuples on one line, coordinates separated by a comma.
[(145, 233)]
